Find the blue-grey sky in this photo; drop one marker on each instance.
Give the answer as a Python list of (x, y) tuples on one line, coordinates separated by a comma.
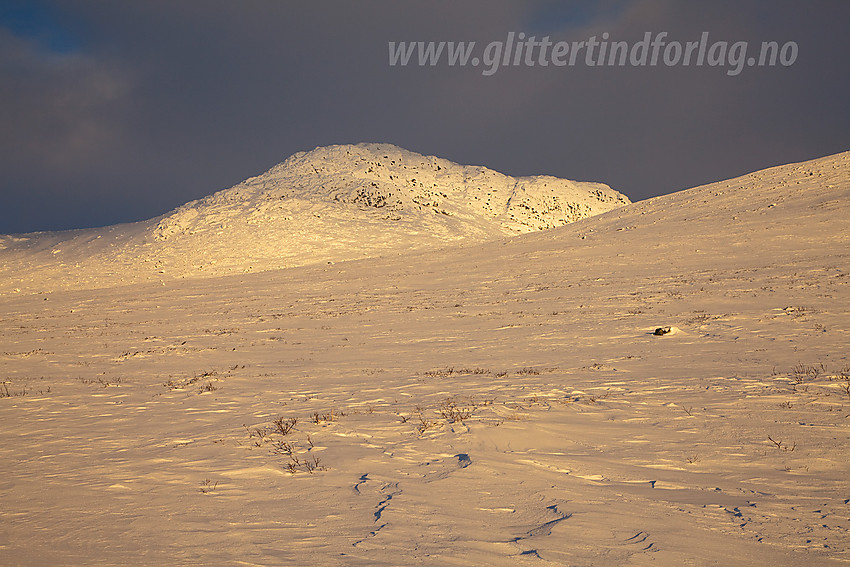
[(119, 111)]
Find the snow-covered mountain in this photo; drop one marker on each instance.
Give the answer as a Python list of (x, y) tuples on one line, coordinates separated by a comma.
[(497, 403), (330, 204)]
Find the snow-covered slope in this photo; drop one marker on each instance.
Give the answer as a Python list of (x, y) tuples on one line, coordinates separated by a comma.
[(330, 204), (501, 403)]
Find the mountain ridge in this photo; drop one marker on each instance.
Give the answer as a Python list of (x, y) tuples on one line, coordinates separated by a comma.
[(390, 179), (329, 204)]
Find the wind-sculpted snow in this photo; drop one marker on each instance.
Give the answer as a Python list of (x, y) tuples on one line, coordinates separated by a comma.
[(331, 204), (498, 403)]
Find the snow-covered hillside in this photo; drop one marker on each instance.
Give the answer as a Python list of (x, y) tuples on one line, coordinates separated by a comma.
[(330, 204), (499, 403)]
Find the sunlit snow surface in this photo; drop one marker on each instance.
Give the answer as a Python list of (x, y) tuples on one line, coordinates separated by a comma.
[(327, 205), (495, 403)]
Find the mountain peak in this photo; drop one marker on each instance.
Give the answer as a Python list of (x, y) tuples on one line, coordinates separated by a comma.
[(385, 182), (329, 204)]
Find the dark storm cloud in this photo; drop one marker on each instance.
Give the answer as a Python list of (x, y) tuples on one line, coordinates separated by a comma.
[(157, 103)]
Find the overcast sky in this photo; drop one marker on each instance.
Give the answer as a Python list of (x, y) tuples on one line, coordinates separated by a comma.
[(119, 111)]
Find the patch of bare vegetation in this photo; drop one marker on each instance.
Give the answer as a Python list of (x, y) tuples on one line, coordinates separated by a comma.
[(8, 390), (453, 412), (307, 464), (451, 371), (331, 416), (102, 380), (277, 437), (285, 425), (817, 380), (422, 424), (782, 446), (842, 377), (210, 377), (27, 354)]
